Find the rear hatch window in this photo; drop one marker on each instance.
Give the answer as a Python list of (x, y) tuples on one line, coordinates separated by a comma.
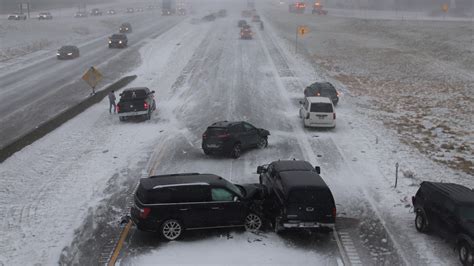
[(216, 131), (321, 108), (311, 196), (138, 94)]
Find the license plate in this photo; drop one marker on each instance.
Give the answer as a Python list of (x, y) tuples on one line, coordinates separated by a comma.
[(212, 145)]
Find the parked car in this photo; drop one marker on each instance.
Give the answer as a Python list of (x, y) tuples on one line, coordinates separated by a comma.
[(136, 102), (125, 28), (130, 10), (67, 52), (111, 12), (324, 89), (45, 15), (241, 23), (256, 18), (246, 32), (17, 16), (171, 204), (80, 14), (448, 210), (118, 40), (232, 137), (96, 12), (296, 196), (318, 112)]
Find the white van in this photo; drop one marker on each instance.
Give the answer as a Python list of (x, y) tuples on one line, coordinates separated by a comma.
[(318, 112)]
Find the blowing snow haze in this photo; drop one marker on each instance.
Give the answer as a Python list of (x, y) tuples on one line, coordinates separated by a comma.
[(237, 132)]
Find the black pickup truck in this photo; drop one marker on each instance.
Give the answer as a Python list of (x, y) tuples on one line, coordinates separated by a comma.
[(136, 102)]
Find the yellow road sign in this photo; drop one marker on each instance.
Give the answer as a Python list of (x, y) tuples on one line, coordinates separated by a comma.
[(92, 77), (445, 7), (303, 30)]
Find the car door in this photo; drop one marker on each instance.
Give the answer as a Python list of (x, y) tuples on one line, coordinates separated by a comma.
[(192, 204), (251, 133), (240, 134), (224, 209)]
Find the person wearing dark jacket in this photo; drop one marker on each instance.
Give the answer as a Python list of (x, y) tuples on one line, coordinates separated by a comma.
[(112, 102)]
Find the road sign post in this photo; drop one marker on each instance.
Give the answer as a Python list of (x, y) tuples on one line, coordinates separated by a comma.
[(301, 31), (92, 77)]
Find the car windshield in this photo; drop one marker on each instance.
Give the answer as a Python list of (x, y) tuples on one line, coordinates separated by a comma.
[(118, 36), (321, 108), (467, 212), (235, 189)]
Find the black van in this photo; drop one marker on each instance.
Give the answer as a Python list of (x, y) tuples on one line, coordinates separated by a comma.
[(297, 196), (171, 204)]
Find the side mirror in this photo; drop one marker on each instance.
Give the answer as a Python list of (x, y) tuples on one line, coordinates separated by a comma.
[(236, 199), (261, 169), (152, 92), (301, 102), (318, 169)]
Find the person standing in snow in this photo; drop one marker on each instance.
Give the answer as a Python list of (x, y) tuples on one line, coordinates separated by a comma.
[(112, 102)]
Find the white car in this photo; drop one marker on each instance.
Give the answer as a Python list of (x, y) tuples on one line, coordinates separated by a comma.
[(318, 112)]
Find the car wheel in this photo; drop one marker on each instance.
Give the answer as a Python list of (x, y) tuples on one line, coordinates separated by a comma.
[(253, 222), (421, 222), (236, 151), (262, 143), (171, 230), (465, 254)]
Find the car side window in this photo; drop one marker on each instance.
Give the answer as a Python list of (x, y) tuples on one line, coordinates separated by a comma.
[(248, 127), (236, 128), (220, 194)]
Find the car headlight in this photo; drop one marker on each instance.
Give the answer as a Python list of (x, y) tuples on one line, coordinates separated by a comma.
[(110, 41), (69, 53), (58, 54), (120, 41), (126, 28)]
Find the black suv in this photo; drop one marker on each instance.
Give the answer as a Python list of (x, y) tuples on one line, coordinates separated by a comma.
[(125, 28), (118, 41), (170, 204), (297, 196), (233, 137), (136, 102), (67, 52), (447, 209), (324, 89)]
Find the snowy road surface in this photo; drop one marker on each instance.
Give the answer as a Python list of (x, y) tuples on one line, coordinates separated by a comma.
[(62, 197)]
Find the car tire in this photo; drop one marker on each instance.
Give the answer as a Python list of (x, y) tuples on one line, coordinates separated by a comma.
[(171, 230), (236, 151), (465, 254), (421, 222), (262, 142), (253, 222)]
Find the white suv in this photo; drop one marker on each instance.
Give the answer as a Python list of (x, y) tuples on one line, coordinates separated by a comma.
[(318, 112)]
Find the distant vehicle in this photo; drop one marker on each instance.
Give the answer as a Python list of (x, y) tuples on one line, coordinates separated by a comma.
[(45, 16), (246, 13), (80, 14), (256, 18), (139, 9), (318, 9), (210, 17), (246, 33), (448, 210), (17, 16), (171, 204), (111, 12), (67, 52), (318, 112), (125, 28), (181, 11), (297, 7), (151, 7), (222, 13), (96, 12), (233, 137), (168, 7), (324, 89), (130, 10), (296, 196), (118, 41), (242, 23), (136, 102)]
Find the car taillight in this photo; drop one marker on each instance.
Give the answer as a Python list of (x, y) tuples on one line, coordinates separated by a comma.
[(333, 115), (224, 136), (338, 94), (144, 212), (145, 105), (334, 212), (204, 136), (117, 107), (318, 94)]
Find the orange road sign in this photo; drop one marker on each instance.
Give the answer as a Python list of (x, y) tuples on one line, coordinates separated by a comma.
[(92, 77), (303, 30), (445, 7)]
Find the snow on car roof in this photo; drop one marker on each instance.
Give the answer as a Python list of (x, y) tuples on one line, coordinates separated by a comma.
[(290, 165)]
